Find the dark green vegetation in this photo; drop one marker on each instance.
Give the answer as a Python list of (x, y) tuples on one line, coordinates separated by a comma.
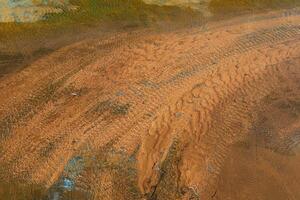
[(130, 13), (134, 11), (124, 13), (238, 6)]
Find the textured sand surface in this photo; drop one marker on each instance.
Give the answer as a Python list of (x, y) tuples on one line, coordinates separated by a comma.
[(149, 114)]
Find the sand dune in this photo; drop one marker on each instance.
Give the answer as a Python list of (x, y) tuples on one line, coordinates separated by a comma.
[(149, 114)]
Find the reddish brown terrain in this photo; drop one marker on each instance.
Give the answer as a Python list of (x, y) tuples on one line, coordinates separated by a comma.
[(202, 113)]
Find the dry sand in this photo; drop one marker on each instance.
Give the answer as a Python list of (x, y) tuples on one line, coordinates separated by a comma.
[(158, 115)]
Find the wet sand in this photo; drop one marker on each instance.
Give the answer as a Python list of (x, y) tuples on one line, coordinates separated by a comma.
[(159, 115)]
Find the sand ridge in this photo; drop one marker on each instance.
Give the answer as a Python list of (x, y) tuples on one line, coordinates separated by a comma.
[(125, 101)]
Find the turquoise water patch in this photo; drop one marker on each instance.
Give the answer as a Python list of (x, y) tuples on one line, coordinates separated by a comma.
[(68, 184)]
